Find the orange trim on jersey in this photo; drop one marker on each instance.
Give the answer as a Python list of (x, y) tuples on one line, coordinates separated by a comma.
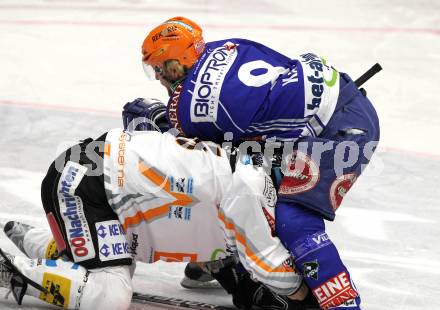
[(147, 216), (107, 149), (181, 199), (242, 239)]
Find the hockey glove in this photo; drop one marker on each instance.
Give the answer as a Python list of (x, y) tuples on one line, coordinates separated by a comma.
[(245, 292), (248, 294), (254, 295), (145, 114)]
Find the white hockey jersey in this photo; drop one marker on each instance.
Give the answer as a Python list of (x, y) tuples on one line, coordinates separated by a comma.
[(179, 201), (247, 214), (166, 192)]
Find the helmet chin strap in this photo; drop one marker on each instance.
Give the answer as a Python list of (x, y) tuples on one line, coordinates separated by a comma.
[(176, 83)]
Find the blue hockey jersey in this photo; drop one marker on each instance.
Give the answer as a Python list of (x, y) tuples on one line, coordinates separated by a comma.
[(254, 92)]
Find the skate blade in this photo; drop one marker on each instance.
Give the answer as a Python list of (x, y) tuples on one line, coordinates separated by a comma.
[(194, 284)]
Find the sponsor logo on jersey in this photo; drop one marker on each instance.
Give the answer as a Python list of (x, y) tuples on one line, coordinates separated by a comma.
[(301, 174), (121, 159), (335, 291), (175, 257), (51, 250), (173, 105), (269, 192), (36, 262), (340, 187), (134, 244), (180, 213), (72, 212), (312, 243), (320, 238), (348, 304), (315, 81), (181, 185), (58, 290), (111, 241), (310, 269), (206, 94)]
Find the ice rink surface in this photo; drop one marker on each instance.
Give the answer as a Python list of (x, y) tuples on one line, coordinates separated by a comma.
[(67, 67)]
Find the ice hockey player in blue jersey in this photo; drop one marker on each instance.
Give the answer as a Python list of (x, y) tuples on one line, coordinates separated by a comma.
[(239, 90)]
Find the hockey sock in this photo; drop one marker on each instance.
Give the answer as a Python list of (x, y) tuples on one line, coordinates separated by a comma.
[(303, 233), (71, 286), (40, 243), (64, 280)]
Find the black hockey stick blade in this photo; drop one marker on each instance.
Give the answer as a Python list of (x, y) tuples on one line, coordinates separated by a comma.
[(368, 75), (175, 302)]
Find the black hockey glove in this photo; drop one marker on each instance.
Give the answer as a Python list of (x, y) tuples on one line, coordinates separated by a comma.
[(248, 294), (254, 295), (145, 114), (245, 292)]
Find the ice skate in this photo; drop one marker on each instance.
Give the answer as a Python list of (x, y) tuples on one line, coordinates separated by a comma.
[(196, 277), (11, 278), (16, 231)]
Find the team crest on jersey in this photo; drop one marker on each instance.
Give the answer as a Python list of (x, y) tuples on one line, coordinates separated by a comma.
[(301, 174), (340, 187), (310, 269), (230, 46)]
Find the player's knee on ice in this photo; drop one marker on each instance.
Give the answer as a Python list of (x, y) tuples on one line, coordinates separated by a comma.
[(108, 288), (36, 242)]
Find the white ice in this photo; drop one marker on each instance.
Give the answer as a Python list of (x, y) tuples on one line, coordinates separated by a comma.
[(67, 67)]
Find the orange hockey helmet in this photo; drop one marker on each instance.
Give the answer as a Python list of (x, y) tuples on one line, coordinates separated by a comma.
[(177, 38)]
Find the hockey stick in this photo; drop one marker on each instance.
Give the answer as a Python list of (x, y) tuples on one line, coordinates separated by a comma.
[(175, 302), (368, 75)]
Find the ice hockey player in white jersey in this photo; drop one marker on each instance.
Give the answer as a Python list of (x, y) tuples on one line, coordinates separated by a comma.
[(147, 196)]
